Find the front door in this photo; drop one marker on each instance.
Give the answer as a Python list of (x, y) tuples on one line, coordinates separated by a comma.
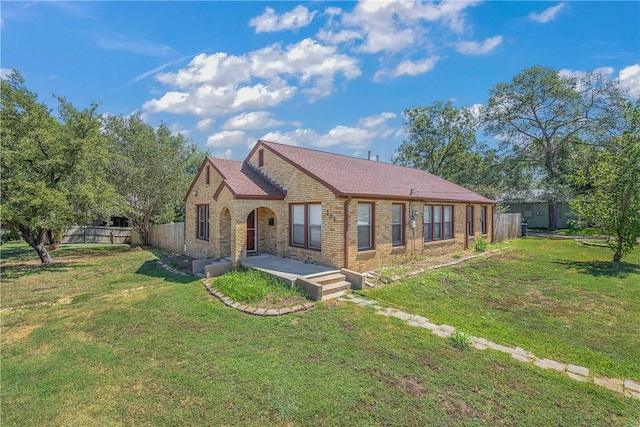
[(251, 231)]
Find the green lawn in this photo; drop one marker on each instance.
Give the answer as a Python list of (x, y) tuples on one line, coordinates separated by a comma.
[(557, 298), (107, 337)]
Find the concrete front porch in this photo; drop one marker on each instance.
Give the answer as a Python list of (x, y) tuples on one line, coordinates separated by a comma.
[(319, 282)]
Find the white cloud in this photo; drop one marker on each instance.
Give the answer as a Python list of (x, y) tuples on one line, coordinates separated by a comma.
[(5, 72), (353, 137), (376, 120), (262, 95), (478, 48), (252, 121), (548, 14), (296, 138), (227, 138), (269, 21), (223, 154), (476, 110), (392, 26), (408, 68), (338, 37), (630, 78), (565, 72), (125, 43), (204, 124), (220, 83)]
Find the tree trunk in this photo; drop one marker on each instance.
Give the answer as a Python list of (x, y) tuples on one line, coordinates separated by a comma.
[(142, 228), (37, 242), (617, 255), (553, 215)]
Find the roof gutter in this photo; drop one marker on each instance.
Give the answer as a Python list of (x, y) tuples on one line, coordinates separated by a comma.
[(346, 232)]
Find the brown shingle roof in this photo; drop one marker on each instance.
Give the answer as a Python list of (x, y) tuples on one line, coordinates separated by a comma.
[(366, 178), (244, 181)]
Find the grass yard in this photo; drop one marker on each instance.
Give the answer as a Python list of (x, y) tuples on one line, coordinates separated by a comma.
[(557, 298), (107, 337)]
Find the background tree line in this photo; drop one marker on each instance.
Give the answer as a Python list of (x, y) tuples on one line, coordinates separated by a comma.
[(575, 137), (79, 166)]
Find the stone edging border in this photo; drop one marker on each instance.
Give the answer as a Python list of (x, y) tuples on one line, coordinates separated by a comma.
[(167, 267), (628, 388), (248, 309)]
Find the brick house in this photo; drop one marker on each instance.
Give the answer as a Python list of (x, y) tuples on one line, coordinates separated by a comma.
[(328, 209)]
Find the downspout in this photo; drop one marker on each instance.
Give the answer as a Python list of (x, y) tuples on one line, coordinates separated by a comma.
[(466, 226), (346, 232), (493, 228)]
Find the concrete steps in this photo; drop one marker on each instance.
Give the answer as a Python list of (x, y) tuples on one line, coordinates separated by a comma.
[(333, 284), (335, 290)]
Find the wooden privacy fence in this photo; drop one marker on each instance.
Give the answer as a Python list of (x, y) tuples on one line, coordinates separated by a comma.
[(506, 226), (169, 237), (97, 234)]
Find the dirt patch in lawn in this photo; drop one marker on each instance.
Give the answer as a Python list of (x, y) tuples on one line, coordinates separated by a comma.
[(409, 384), (457, 407), (18, 333)]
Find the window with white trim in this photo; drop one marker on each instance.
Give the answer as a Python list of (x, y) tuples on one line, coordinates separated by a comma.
[(438, 222), (469, 220), (315, 226), (397, 231), (297, 225)]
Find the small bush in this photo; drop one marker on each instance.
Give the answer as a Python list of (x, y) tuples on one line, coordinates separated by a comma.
[(457, 255), (460, 341), (480, 245), (392, 273)]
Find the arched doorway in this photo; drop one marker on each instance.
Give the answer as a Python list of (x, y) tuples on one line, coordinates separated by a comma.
[(225, 233), (262, 234)]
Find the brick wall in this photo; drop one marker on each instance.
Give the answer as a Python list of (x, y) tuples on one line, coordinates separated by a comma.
[(301, 188), (385, 253), (202, 193), (228, 217)]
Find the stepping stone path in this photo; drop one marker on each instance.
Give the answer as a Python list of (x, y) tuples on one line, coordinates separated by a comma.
[(579, 373)]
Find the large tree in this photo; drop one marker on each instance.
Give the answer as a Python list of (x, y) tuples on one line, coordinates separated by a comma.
[(613, 204), (151, 169), (53, 169), (442, 140), (438, 137), (542, 114)]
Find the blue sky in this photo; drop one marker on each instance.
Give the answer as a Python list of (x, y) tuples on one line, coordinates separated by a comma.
[(334, 76)]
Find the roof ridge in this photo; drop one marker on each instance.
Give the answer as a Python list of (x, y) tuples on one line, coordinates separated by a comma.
[(326, 152), (350, 157)]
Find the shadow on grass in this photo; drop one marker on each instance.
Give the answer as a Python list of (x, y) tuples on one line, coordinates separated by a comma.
[(152, 269), (16, 271), (603, 268)]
